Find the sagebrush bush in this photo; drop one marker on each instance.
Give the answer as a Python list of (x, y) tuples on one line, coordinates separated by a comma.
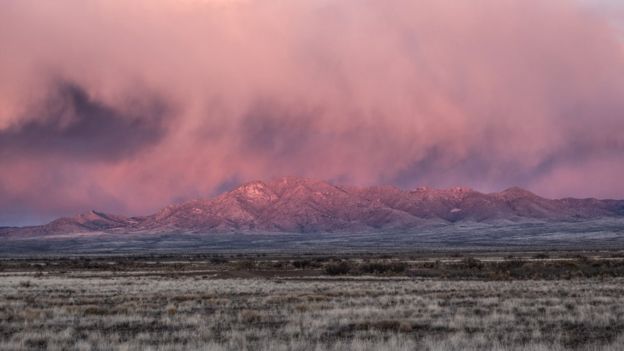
[(339, 268), (382, 267)]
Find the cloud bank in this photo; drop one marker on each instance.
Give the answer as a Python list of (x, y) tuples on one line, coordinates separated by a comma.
[(126, 106)]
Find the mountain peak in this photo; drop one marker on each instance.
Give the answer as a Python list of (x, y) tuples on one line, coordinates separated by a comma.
[(255, 190), (278, 182), (278, 187), (516, 191), (91, 215), (461, 189), (295, 181)]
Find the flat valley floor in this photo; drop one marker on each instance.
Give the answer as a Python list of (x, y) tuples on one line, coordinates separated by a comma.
[(479, 301)]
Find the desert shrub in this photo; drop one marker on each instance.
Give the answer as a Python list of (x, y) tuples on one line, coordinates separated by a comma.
[(250, 316), (381, 268), (431, 265), (471, 263), (95, 311), (301, 264), (541, 256), (510, 265), (397, 267), (373, 267), (245, 265), (36, 343), (278, 265), (171, 311), (339, 268), (218, 260)]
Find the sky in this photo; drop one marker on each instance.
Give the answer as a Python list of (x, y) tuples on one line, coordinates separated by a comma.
[(128, 106)]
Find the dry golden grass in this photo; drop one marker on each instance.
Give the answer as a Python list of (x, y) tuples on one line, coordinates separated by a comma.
[(353, 313)]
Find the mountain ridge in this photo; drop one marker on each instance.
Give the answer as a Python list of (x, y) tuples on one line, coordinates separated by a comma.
[(303, 205)]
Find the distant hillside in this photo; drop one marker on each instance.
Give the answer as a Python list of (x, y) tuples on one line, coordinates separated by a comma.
[(298, 205)]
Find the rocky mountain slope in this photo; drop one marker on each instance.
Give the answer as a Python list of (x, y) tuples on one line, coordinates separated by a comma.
[(298, 205)]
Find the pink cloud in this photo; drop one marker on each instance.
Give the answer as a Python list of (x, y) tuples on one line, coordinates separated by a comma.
[(190, 96)]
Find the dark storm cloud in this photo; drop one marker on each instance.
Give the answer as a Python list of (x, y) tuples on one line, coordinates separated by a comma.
[(439, 167), (71, 123)]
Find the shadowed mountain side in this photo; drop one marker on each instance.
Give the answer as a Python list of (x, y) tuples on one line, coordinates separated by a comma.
[(298, 205)]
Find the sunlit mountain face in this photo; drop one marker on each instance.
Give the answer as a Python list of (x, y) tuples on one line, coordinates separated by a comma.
[(128, 107), (299, 205)]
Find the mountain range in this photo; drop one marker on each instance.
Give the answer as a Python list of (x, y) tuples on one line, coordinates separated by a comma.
[(300, 205)]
